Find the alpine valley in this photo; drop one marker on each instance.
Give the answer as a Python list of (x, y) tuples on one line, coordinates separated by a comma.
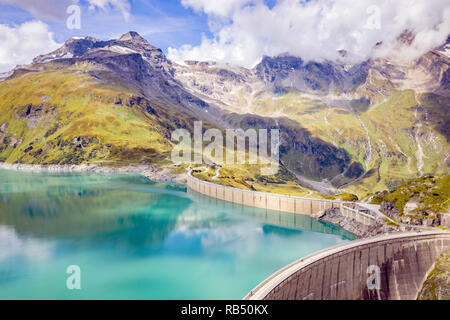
[(345, 129)]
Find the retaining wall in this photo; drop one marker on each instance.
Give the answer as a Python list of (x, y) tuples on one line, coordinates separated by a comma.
[(399, 263)]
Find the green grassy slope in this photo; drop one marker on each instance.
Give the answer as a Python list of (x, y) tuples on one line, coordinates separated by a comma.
[(396, 139), (68, 117), (431, 193)]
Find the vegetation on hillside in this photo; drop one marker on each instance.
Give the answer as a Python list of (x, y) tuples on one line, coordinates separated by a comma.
[(417, 200), (394, 138), (68, 117), (248, 177), (432, 193)]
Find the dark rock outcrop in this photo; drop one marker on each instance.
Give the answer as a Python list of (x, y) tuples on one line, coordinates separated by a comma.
[(335, 217), (288, 72)]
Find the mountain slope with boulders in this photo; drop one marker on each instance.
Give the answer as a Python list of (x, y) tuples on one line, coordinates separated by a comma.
[(421, 201)]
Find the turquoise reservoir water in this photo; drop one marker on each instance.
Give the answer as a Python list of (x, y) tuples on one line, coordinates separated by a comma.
[(137, 239)]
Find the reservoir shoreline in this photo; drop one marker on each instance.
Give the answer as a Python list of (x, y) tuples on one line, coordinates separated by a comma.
[(353, 224), (317, 209), (151, 172)]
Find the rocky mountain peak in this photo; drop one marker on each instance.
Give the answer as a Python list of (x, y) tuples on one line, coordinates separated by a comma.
[(284, 73), (406, 37), (90, 47), (132, 36), (136, 42), (81, 40), (74, 47)]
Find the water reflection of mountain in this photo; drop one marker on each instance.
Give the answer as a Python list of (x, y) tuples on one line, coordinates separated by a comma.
[(125, 209), (276, 218), (128, 212)]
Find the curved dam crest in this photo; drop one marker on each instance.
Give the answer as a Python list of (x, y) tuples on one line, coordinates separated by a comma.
[(388, 267)]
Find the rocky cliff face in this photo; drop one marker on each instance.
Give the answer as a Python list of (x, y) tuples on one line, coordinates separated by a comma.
[(230, 87), (286, 73)]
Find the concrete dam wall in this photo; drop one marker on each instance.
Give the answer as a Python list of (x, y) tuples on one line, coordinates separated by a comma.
[(277, 202), (389, 267)]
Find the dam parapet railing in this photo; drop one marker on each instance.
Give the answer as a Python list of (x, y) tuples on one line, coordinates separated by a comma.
[(387, 267), (363, 216), (278, 202)]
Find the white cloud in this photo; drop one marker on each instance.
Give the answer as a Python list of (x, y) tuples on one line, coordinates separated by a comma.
[(12, 245), (122, 5), (316, 30), (22, 43), (215, 7)]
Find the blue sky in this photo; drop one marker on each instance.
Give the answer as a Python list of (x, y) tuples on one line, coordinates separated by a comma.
[(239, 32), (163, 23)]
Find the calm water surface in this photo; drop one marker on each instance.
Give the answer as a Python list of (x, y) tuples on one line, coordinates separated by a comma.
[(136, 239)]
